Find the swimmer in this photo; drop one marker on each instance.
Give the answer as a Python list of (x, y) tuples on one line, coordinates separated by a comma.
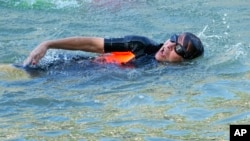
[(178, 48)]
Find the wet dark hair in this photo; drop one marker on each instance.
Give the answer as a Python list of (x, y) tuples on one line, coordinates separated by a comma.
[(193, 46)]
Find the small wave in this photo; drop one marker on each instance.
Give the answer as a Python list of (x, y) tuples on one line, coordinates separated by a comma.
[(41, 4)]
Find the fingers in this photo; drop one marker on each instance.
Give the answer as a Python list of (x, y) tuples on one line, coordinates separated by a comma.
[(27, 62), (30, 61), (35, 55)]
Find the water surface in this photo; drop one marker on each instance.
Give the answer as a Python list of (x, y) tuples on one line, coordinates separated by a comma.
[(80, 100)]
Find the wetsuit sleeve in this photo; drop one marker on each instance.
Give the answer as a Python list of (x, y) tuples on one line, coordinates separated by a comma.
[(139, 45)]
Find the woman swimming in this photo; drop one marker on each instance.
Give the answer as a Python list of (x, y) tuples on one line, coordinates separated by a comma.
[(178, 48)]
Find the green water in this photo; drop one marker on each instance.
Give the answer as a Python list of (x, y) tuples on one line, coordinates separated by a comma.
[(195, 100)]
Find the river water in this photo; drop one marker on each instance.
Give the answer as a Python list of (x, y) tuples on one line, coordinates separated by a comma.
[(65, 99)]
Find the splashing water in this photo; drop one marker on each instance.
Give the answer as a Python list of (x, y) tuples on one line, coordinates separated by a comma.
[(41, 4)]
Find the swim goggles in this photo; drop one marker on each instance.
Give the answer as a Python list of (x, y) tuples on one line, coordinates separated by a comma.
[(179, 49)]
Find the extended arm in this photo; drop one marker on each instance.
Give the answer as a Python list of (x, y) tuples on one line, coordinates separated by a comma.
[(89, 44)]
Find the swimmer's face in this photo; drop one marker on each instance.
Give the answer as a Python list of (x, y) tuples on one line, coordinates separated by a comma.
[(167, 52)]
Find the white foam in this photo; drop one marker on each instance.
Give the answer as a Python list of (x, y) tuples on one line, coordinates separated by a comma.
[(56, 4), (60, 4)]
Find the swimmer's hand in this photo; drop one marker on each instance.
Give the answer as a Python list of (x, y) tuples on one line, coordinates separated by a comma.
[(36, 55)]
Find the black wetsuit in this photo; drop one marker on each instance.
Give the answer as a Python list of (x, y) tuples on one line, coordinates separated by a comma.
[(139, 45)]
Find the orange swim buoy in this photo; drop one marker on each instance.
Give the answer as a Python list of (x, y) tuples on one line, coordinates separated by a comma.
[(116, 57)]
